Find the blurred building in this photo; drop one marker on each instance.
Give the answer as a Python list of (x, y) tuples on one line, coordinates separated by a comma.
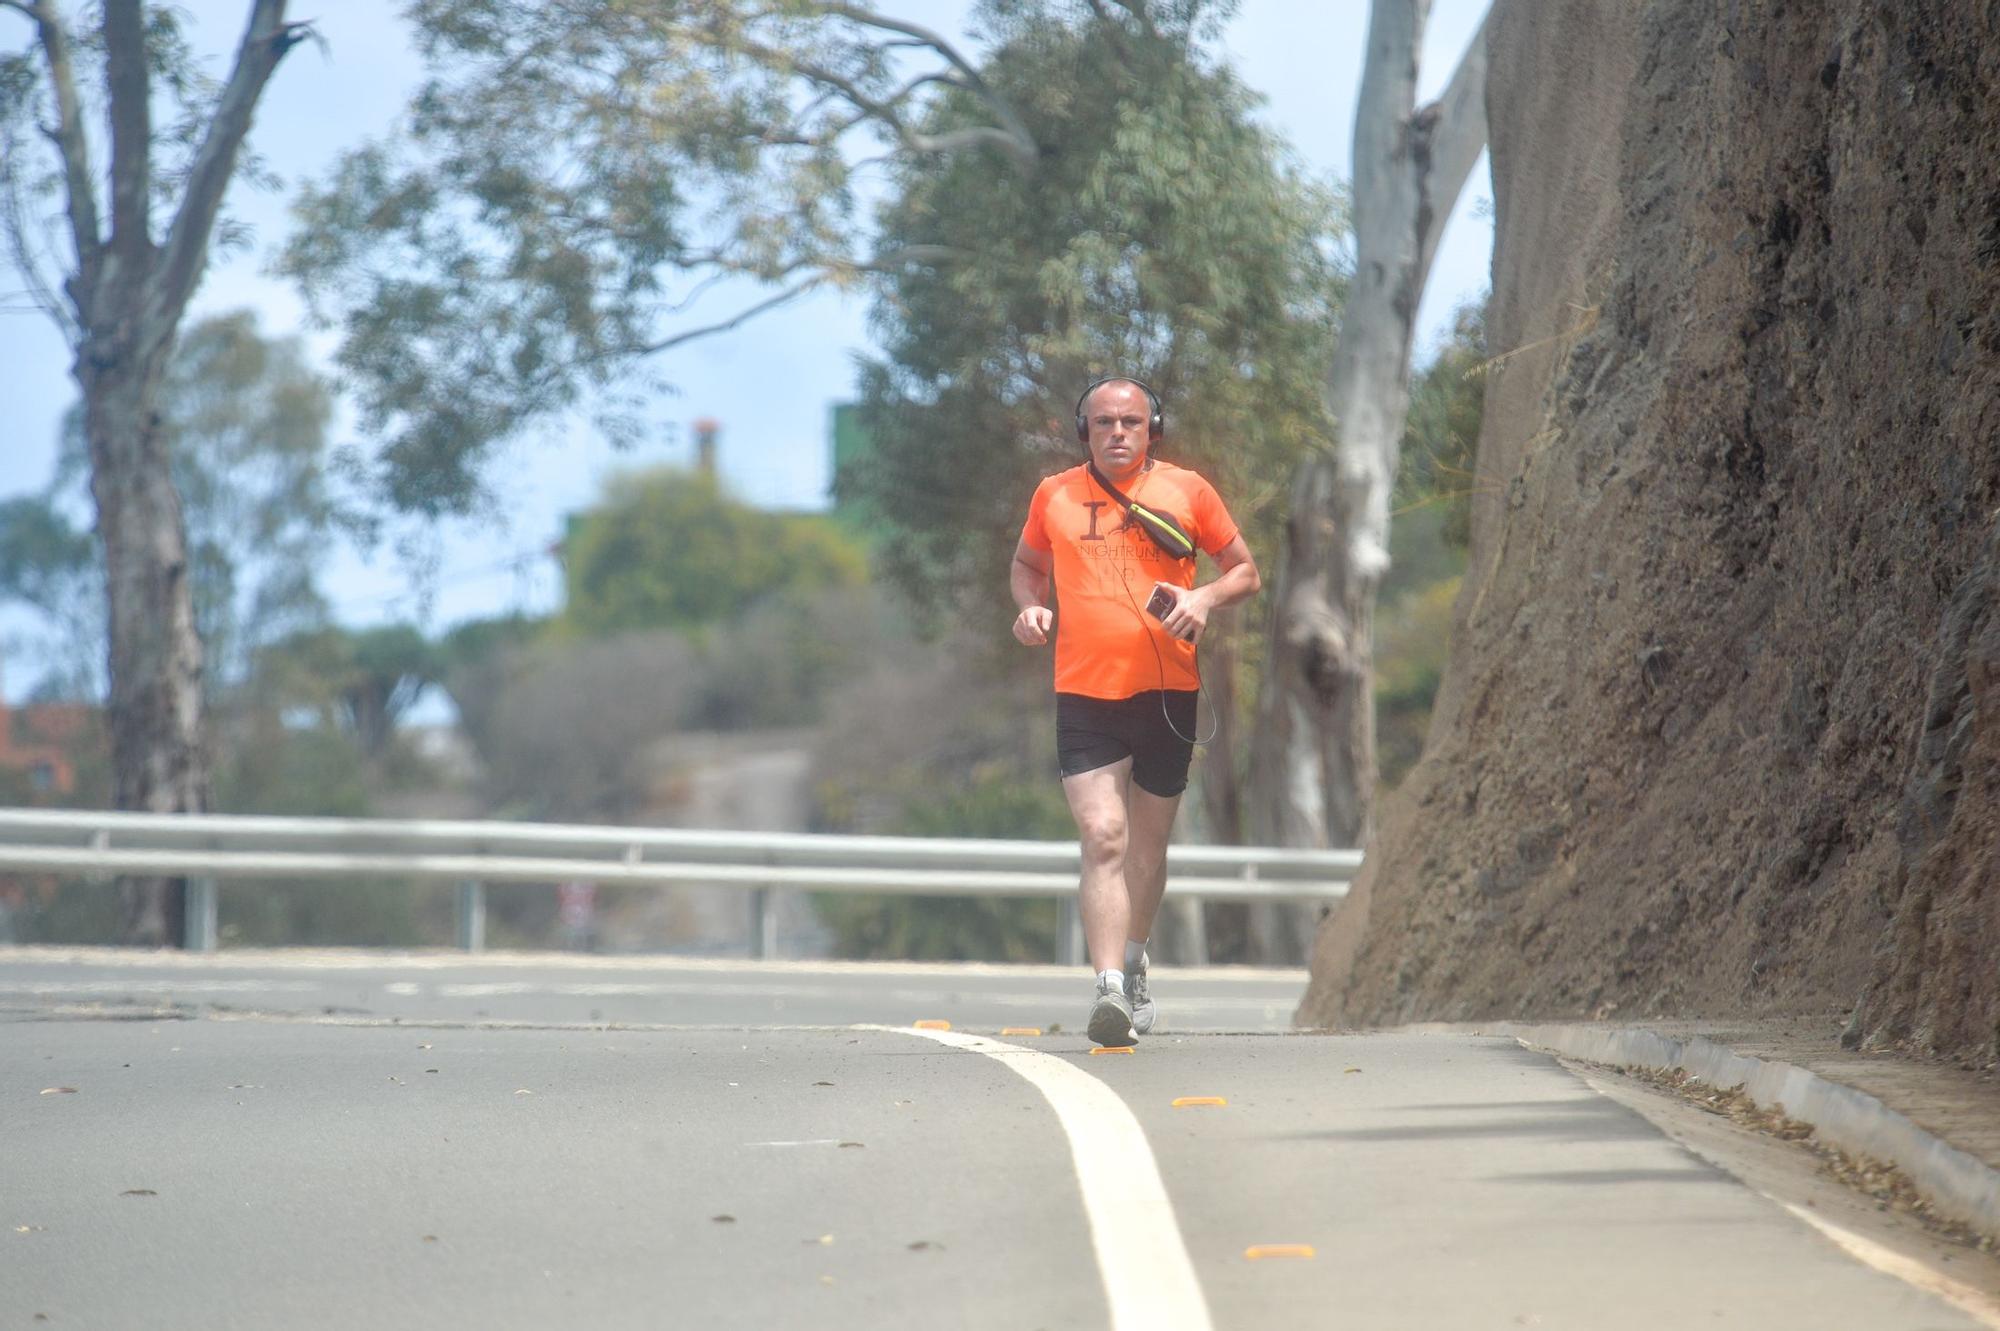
[(851, 446), (38, 742)]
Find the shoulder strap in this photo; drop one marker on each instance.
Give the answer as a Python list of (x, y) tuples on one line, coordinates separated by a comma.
[(1161, 528), (1109, 488)]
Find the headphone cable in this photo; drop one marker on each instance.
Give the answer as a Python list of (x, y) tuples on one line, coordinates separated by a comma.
[(1160, 663)]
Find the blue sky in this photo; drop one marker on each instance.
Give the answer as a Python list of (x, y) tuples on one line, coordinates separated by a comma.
[(1304, 58)]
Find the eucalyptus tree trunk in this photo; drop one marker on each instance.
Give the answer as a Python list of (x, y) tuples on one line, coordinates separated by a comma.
[(1219, 784), (121, 307), (1313, 764), (157, 718)]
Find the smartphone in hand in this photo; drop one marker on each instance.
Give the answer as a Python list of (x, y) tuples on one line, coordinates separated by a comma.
[(1162, 603)]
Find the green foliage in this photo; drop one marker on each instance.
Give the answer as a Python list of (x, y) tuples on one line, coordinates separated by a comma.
[(572, 178), (263, 766), (1412, 642), (244, 420), (68, 910), (960, 928), (477, 657), (778, 664), (275, 769), (668, 549), (1427, 541), (938, 739), (268, 767), (1441, 438), (477, 641), (562, 725), (358, 912), (1421, 553), (41, 553), (361, 680), (1163, 235), (993, 805), (31, 179), (53, 567)]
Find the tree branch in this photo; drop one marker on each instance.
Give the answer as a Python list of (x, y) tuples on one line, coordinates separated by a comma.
[(266, 40), (881, 263), (1137, 9), (68, 137), (884, 112), (1112, 30), (129, 82), (736, 320), (909, 254), (1012, 136), (39, 288), (1456, 124)]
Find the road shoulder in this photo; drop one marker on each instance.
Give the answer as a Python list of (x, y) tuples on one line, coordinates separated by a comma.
[(1913, 1135)]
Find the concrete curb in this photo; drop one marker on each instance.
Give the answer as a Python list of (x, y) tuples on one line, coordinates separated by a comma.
[(1961, 1186)]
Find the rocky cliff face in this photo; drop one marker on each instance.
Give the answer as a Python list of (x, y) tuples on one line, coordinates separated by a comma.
[(1721, 731)]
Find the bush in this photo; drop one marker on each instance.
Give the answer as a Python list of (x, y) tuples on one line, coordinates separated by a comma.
[(960, 928), (1413, 639)]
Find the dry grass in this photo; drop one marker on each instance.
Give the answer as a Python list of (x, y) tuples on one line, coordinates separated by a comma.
[(1889, 1187)]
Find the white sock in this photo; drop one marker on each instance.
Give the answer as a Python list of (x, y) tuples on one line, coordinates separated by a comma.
[(1115, 980), (1135, 954)]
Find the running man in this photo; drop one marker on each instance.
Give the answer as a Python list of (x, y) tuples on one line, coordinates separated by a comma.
[(1125, 679)]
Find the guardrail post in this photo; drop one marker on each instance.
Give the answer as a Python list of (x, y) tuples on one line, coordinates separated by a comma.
[(198, 918), (1069, 932), (763, 923), (472, 917), (1195, 917)]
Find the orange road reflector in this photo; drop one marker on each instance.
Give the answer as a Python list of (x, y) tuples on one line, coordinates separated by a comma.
[(1259, 1251), (1118, 1049), (932, 1024), (1199, 1102), (1020, 1030)]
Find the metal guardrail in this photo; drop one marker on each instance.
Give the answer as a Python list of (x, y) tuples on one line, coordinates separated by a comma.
[(206, 847)]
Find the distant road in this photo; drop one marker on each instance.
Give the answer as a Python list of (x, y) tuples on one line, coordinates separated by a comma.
[(582, 989), (196, 1142)]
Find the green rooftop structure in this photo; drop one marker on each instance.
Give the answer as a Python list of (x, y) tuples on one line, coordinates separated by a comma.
[(851, 447)]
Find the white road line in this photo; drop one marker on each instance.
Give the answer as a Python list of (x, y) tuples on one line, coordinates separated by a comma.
[(1149, 1280), (1960, 1296), (1974, 1303)]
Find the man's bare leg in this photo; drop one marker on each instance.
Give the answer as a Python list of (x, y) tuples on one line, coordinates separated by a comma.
[(1149, 823), (1097, 800)]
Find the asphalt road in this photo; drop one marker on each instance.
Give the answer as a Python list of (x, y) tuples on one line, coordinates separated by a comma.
[(557, 989), (404, 1162)]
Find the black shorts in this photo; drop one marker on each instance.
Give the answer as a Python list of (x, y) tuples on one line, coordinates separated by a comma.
[(1096, 732)]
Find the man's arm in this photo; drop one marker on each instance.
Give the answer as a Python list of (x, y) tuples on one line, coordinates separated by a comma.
[(1238, 581), (1028, 579)]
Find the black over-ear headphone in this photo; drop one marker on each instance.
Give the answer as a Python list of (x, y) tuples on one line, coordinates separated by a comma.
[(1156, 422)]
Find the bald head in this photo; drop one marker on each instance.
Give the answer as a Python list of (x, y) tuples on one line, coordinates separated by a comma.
[(1129, 387), (1117, 417)]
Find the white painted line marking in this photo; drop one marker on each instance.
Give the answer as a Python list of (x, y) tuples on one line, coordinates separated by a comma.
[(1962, 1297), (1965, 1298), (1149, 1282)]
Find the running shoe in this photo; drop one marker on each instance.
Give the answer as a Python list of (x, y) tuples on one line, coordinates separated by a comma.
[(1140, 997), (1111, 1018)]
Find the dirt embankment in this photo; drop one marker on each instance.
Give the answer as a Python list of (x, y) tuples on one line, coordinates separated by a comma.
[(1721, 730)]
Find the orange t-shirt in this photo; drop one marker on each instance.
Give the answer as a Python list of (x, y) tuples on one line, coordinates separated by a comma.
[(1105, 570)]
